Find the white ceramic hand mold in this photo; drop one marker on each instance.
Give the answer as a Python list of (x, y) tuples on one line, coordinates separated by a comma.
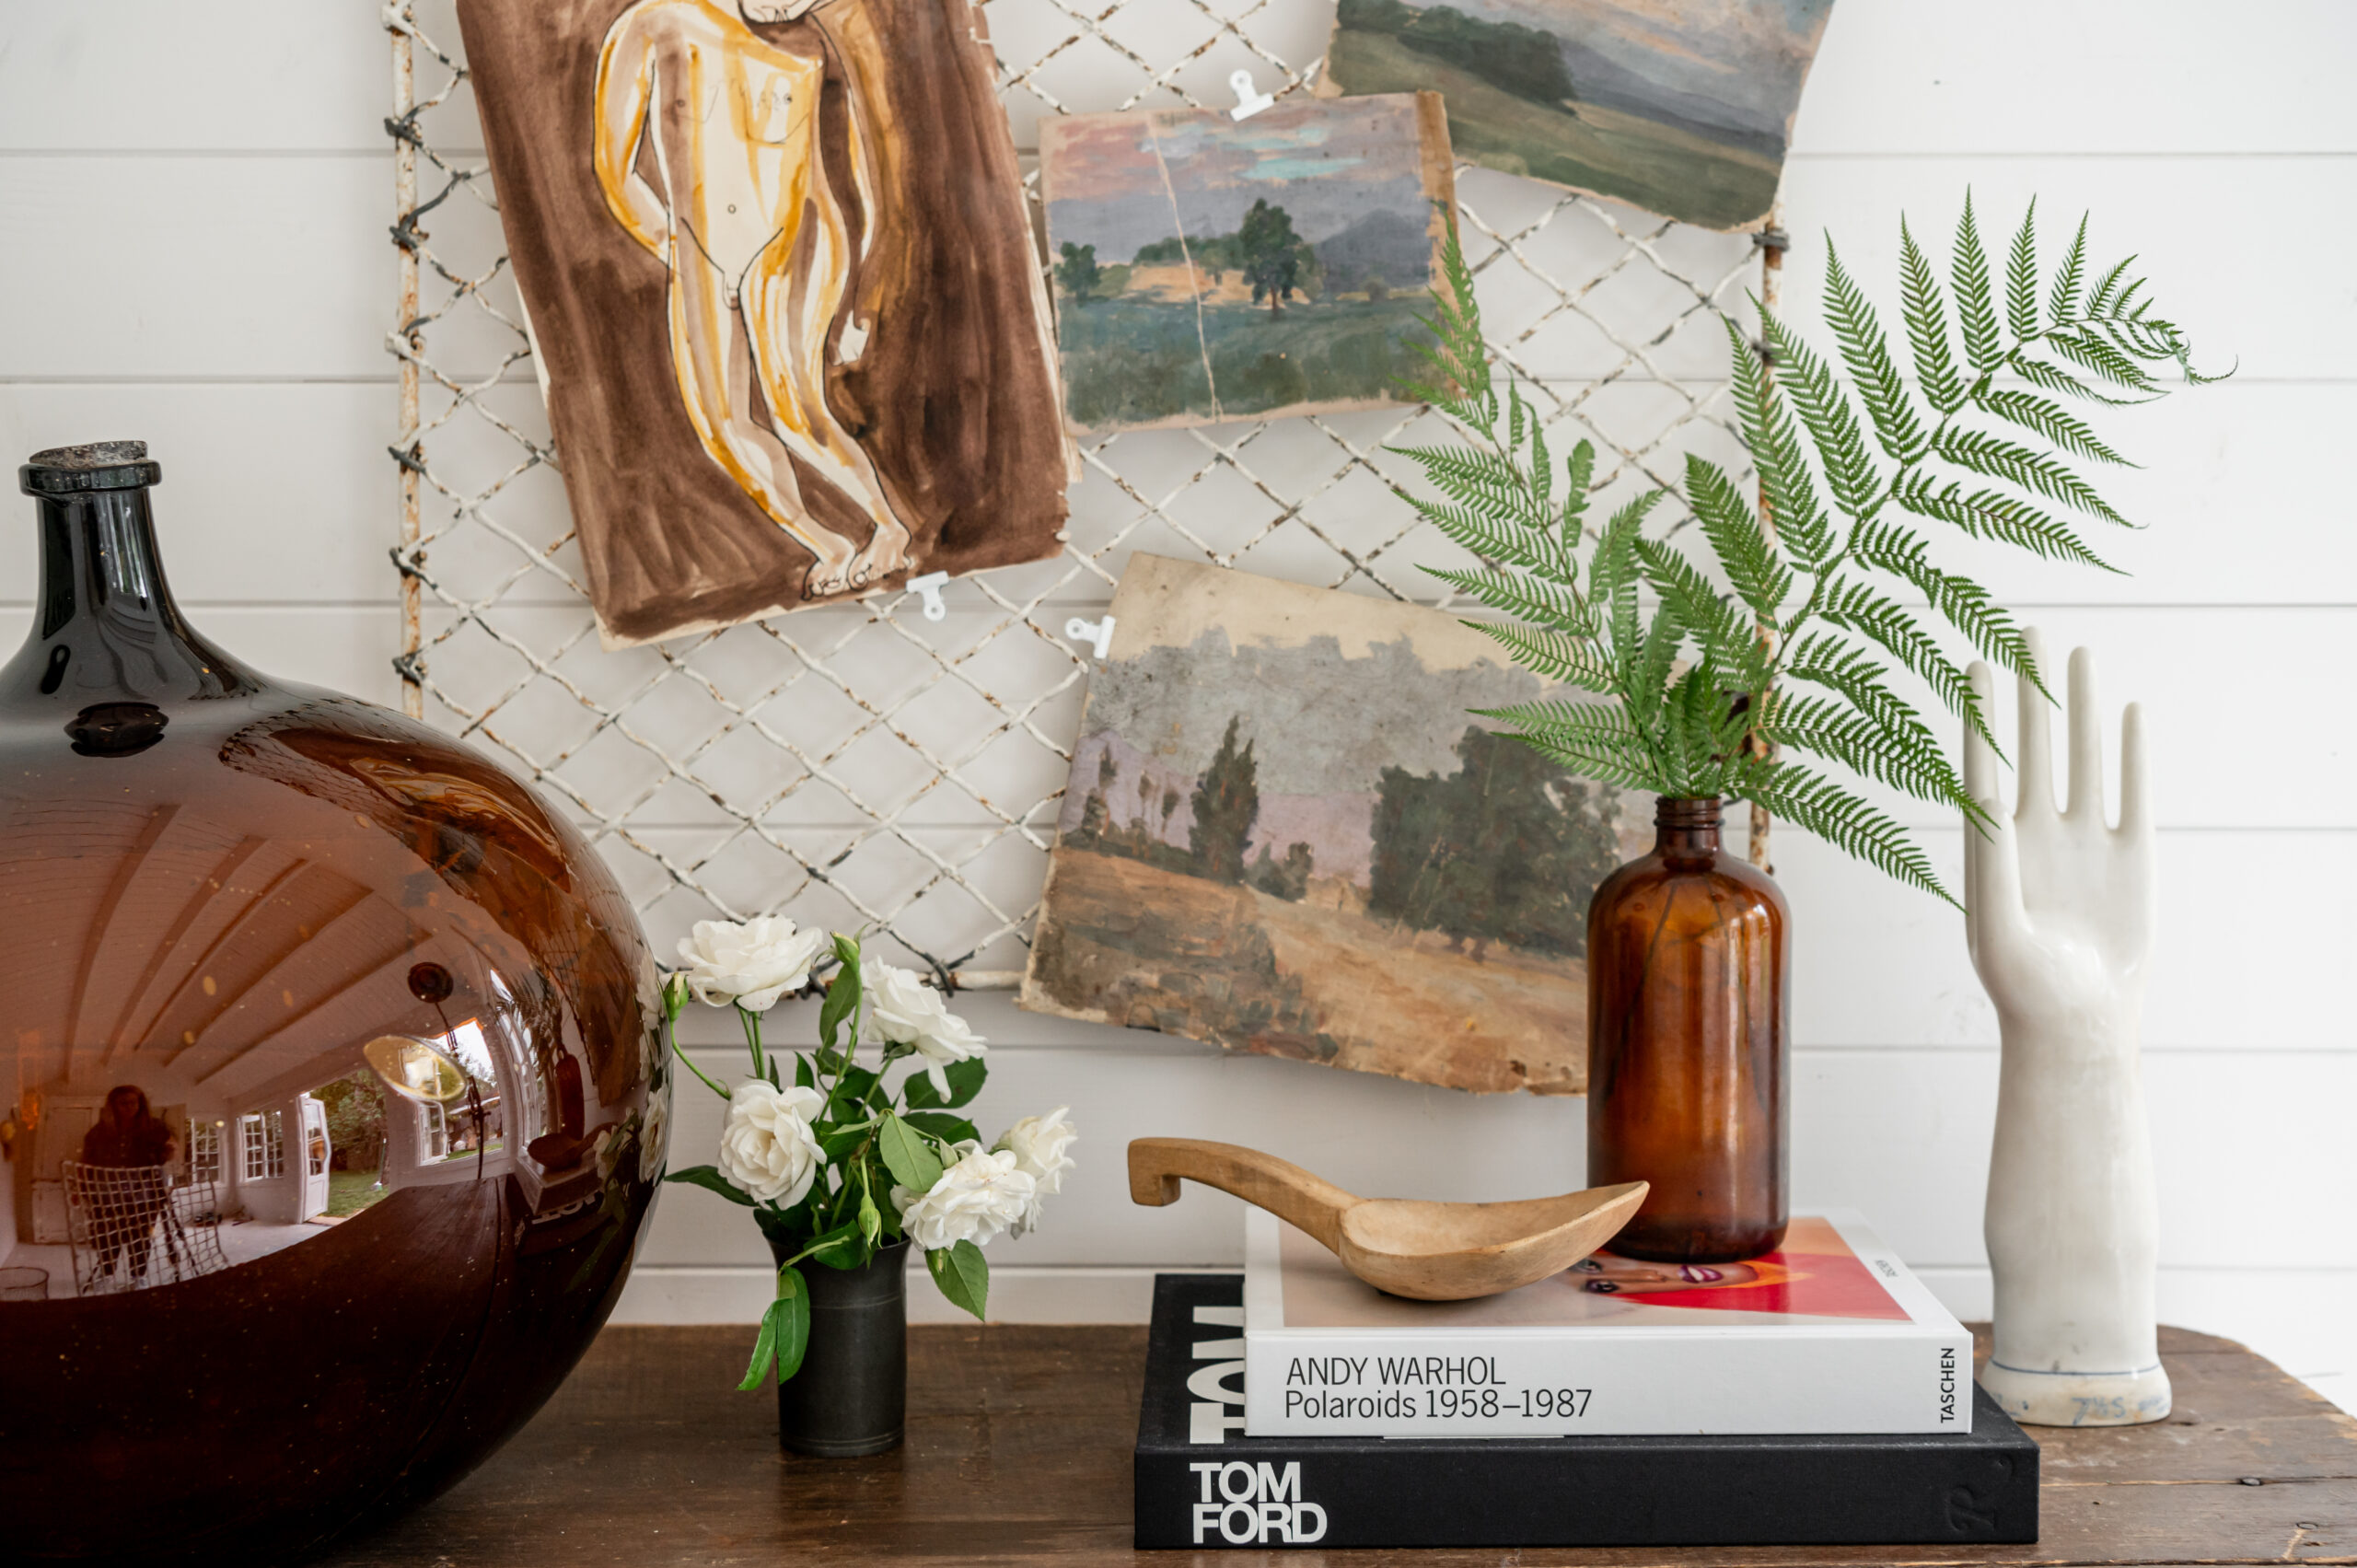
[(2060, 918)]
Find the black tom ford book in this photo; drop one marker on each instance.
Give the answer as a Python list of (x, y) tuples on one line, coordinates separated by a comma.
[(1202, 1484)]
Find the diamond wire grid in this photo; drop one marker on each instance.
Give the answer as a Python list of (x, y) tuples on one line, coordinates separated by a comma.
[(857, 765)]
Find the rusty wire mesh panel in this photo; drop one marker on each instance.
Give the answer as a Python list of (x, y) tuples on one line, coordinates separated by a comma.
[(860, 765)]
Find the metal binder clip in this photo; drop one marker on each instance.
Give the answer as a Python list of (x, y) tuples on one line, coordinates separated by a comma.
[(1097, 635), (1249, 101), (928, 588)]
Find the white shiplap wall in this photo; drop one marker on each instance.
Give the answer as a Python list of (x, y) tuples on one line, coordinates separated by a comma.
[(193, 206)]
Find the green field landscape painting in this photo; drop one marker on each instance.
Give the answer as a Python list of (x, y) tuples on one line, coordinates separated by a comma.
[(1208, 269), (1284, 834), (1681, 107)]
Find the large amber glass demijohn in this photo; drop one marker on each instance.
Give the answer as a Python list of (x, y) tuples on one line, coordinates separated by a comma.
[(329, 1090), (1689, 985)]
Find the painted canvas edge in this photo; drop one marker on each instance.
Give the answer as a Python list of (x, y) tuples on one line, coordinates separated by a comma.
[(1326, 86), (1436, 154)]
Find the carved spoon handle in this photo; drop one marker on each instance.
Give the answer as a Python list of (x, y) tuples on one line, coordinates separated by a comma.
[(1310, 1203)]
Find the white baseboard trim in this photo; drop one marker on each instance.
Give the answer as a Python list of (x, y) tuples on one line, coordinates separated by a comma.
[(680, 1294)]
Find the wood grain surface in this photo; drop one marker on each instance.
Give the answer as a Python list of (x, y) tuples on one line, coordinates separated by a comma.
[(1018, 1452)]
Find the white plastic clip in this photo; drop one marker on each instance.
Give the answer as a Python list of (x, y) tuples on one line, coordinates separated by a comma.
[(928, 588), (1097, 635), (1249, 101)]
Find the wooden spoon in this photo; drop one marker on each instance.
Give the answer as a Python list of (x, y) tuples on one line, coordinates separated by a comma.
[(1428, 1251)]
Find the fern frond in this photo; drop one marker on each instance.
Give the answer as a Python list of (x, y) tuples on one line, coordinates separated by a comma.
[(1727, 639), (2091, 353), (1848, 824), (1761, 579), (1792, 506), (2100, 301), (1831, 423), (1556, 654), (2064, 297), (1476, 478), (1969, 270), (1613, 574), (1866, 352), (1566, 720), (1523, 595), (1579, 471), (1907, 759), (1996, 458), (1927, 326), (1964, 604), (2057, 424), (1624, 766), (2054, 378), (1650, 663), (1856, 608), (1990, 514), (1492, 539), (2021, 276)]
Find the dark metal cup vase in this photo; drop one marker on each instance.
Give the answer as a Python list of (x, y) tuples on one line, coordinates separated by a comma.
[(851, 1395)]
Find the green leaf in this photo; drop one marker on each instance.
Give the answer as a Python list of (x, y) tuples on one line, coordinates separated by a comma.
[(784, 1333), (1927, 326), (2054, 378), (1554, 654), (1866, 352), (941, 1124), (1768, 431), (805, 1076), (1728, 521), (1487, 481), (2092, 354), (1828, 416), (765, 1347), (907, 1155), (963, 1274), (1520, 594), (1629, 767), (1998, 459), (838, 1142), (2057, 423), (1969, 270), (1908, 758), (1856, 607), (2065, 298), (711, 1180), (1727, 639), (837, 1247), (1490, 539), (841, 1004), (1814, 803), (966, 1080), (2020, 277), (1964, 604), (1992, 513)]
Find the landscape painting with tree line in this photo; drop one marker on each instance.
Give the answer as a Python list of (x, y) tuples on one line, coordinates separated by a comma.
[(1208, 269), (1681, 107), (1284, 834)]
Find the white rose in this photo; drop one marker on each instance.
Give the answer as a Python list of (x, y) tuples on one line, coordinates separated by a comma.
[(906, 1011), (977, 1198), (1037, 1143), (751, 963), (766, 1149), (653, 1135)]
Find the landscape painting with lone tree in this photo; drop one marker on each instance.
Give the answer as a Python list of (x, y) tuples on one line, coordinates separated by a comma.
[(1282, 834), (1208, 269)]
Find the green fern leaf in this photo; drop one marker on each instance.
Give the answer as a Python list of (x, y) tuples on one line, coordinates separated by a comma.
[(1856, 608), (1625, 766), (1491, 538), (1927, 326), (1969, 270), (1650, 663), (1907, 760), (2054, 378), (1728, 641), (1552, 654), (2091, 353), (2020, 277), (2057, 424), (2064, 297), (1989, 514), (1831, 423), (1964, 604), (1486, 480), (1523, 595), (1774, 443), (1578, 474), (1866, 352), (1810, 801), (1733, 528), (1996, 458), (2100, 302)]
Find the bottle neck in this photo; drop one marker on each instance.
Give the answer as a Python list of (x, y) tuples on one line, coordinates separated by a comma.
[(1686, 826), (106, 628)]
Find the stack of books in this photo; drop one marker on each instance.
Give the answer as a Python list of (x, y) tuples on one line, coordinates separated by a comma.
[(1818, 1395)]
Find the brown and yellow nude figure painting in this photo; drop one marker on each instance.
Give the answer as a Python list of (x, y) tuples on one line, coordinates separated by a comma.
[(779, 274)]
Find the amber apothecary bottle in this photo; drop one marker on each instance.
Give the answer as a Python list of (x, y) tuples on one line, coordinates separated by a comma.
[(333, 1095), (1690, 981)]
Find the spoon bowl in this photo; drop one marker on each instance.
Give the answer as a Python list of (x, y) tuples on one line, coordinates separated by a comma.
[(1404, 1246)]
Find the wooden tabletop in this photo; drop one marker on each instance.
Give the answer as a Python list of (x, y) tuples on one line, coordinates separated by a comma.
[(1018, 1452)]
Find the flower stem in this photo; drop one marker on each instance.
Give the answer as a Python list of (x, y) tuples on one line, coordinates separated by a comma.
[(752, 1038), (681, 1051)]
